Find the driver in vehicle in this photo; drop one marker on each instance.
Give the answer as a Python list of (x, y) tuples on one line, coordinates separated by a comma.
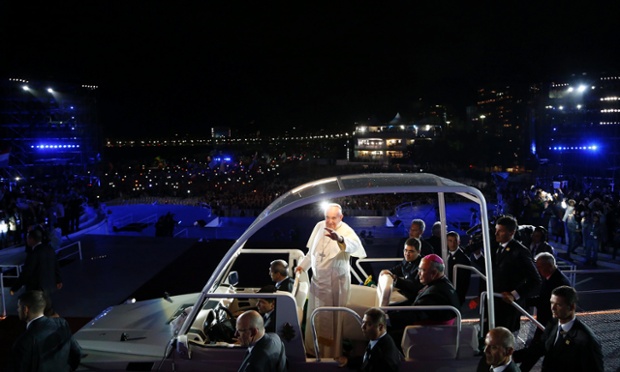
[(278, 271)]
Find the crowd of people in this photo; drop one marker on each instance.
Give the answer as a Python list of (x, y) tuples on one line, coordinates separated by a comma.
[(55, 203), (525, 274), (580, 215)]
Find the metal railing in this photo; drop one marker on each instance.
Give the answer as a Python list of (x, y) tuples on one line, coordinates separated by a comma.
[(181, 232), (78, 252), (514, 304), (359, 262)]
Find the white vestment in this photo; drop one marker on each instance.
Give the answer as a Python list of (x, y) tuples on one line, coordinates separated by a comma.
[(330, 285)]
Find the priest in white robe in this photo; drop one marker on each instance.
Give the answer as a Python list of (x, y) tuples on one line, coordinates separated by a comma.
[(331, 246)]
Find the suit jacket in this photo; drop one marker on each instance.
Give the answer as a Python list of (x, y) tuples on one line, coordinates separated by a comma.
[(541, 302), (41, 270), (270, 324), (438, 292), (47, 345), (513, 270), (484, 367), (542, 247), (286, 285), (408, 281), (435, 242), (580, 350), (384, 357), (463, 276), (268, 355)]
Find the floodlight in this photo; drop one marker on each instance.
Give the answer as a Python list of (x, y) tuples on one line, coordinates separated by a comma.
[(50, 90), (25, 87), (581, 89)]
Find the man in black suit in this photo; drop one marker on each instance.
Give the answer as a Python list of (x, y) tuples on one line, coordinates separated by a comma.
[(552, 278), (47, 344), (539, 242), (514, 274), (405, 274), (41, 270), (457, 256), (416, 230), (266, 307), (567, 343), (381, 353), (278, 271), (435, 239), (266, 351), (498, 349), (437, 290)]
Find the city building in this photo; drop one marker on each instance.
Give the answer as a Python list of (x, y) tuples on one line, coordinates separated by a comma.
[(384, 142), (579, 128)]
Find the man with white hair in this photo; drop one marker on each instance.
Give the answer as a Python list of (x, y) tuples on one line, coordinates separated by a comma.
[(330, 247)]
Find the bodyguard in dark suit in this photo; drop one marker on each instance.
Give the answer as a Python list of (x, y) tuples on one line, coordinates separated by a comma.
[(567, 343), (381, 353), (539, 242), (457, 256), (499, 345), (266, 351), (47, 344), (278, 270), (552, 278), (41, 270), (416, 230), (514, 274)]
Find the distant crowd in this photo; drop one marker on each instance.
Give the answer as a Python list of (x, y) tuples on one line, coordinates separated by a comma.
[(57, 204), (246, 185)]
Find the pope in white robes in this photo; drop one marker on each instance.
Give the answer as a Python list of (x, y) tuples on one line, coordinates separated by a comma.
[(331, 245)]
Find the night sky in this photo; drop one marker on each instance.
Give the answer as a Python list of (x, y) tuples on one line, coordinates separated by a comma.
[(185, 66)]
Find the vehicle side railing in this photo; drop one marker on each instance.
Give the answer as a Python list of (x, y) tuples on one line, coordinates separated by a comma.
[(514, 304), (465, 267), (359, 262)]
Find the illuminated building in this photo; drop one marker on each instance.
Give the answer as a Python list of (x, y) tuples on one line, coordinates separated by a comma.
[(580, 125), (47, 127), (376, 142)]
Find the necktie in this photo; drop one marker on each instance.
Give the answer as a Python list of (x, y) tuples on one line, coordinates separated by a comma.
[(367, 353), (244, 364), (561, 334)]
